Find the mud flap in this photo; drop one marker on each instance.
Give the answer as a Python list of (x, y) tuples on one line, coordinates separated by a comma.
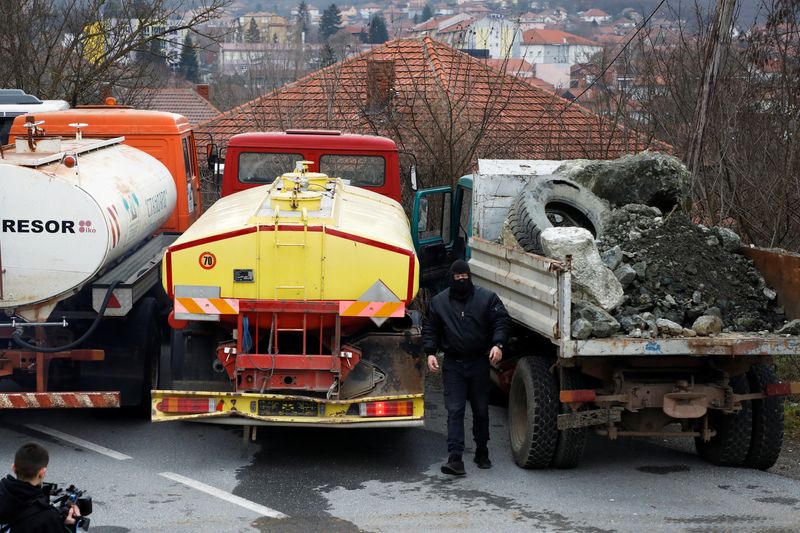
[(391, 364), (363, 378)]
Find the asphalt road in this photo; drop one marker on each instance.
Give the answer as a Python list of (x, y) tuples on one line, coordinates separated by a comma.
[(201, 478)]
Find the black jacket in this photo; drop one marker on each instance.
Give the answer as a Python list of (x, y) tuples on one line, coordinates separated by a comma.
[(23, 501), (465, 328)]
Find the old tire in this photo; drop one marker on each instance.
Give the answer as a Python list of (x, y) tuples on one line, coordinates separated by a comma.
[(551, 201), (767, 437), (730, 446), (571, 442), (532, 411)]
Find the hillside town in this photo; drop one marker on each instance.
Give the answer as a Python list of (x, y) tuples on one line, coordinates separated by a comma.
[(547, 45), (399, 265)]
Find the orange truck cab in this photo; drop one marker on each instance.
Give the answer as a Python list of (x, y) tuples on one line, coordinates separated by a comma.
[(165, 136), (366, 161)]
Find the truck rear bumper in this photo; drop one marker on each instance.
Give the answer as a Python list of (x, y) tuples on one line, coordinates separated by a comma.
[(287, 410), (58, 400), (239, 421)]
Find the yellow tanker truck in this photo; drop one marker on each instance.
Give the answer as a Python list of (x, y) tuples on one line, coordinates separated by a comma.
[(290, 308)]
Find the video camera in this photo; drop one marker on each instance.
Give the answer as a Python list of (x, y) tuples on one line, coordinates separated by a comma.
[(63, 499)]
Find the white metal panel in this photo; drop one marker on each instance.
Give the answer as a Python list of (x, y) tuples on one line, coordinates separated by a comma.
[(492, 196), (530, 167), (524, 282)]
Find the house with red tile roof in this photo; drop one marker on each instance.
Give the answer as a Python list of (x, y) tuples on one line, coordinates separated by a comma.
[(516, 67), (192, 103), (594, 15), (435, 25), (455, 34), (532, 21), (556, 50), (445, 106)]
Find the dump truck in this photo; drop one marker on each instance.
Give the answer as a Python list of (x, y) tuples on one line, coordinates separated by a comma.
[(720, 390), (89, 201), (291, 308)]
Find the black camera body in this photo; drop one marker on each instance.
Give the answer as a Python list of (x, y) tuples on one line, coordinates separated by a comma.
[(64, 499)]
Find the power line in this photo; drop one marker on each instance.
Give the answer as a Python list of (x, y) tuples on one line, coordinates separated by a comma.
[(644, 23)]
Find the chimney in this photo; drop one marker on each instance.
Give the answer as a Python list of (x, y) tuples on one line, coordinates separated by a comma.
[(380, 84), (202, 90)]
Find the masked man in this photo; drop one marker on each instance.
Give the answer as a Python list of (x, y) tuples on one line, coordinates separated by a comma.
[(470, 325)]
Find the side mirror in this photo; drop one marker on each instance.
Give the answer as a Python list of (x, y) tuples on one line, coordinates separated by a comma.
[(212, 155)]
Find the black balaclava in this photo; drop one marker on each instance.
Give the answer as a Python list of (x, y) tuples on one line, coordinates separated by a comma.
[(462, 288)]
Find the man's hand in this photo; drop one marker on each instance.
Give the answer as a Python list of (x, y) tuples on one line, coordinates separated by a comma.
[(74, 513), (433, 363), (495, 355)]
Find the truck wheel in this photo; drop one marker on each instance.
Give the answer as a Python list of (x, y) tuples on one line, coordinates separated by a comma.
[(552, 201), (729, 447), (571, 442), (532, 412), (767, 439), (144, 339)]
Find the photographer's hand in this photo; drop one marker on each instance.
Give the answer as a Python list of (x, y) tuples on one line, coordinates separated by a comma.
[(72, 516)]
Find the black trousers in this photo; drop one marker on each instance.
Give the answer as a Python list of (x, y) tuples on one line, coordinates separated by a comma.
[(467, 379)]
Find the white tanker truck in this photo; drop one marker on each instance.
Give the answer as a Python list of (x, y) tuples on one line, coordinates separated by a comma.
[(82, 233)]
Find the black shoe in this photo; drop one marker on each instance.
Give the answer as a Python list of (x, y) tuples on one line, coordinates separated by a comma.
[(454, 466), (482, 458)]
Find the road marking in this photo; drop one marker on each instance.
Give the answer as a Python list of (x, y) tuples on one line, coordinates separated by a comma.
[(221, 494), (80, 442)]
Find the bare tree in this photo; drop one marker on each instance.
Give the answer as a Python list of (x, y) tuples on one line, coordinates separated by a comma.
[(73, 49), (748, 168)]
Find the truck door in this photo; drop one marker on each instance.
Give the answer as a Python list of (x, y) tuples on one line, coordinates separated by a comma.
[(441, 225), (431, 224)]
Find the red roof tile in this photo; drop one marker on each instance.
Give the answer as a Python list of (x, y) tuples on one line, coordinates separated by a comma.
[(433, 86), (184, 101)]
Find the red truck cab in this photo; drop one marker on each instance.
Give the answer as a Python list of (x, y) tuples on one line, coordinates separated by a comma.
[(254, 159)]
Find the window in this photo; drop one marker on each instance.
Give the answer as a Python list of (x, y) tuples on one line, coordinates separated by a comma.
[(187, 163), (360, 170), (263, 167), (434, 217)]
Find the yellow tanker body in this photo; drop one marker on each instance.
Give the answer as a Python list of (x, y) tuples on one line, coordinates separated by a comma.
[(290, 309), (305, 237)]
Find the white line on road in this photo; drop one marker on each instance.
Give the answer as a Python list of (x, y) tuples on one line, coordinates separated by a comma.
[(80, 442), (221, 494)]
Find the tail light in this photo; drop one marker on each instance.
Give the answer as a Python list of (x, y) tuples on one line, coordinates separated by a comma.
[(577, 396), (378, 409), (189, 405), (779, 389)]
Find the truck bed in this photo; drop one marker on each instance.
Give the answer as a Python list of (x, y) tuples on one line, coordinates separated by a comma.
[(537, 293)]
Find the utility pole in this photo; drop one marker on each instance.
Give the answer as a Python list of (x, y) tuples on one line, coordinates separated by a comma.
[(718, 40)]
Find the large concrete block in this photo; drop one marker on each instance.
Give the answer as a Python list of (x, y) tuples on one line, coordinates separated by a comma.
[(591, 278)]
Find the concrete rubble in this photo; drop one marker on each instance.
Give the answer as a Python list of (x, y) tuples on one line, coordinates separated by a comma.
[(654, 272), (647, 178), (686, 274), (591, 278)]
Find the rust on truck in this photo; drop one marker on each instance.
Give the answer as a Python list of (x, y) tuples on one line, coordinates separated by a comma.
[(781, 270)]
